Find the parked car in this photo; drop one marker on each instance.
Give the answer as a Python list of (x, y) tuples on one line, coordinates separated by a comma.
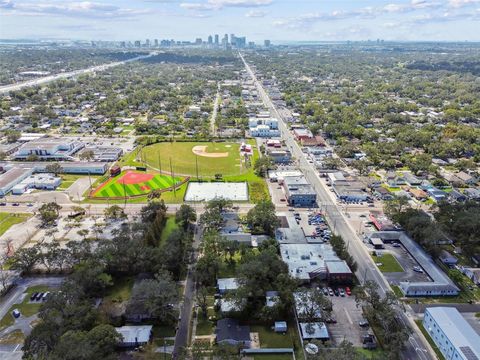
[(325, 291), (45, 296), (348, 291), (418, 269), (3, 204), (342, 292), (330, 291), (396, 245), (330, 320), (39, 296), (15, 204), (363, 323), (337, 293), (33, 296), (16, 313)]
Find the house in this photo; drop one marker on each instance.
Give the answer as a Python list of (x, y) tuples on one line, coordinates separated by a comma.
[(226, 284), (473, 274), (134, 336), (436, 194), (457, 196), (418, 194), (472, 193), (315, 330), (280, 327), (411, 179), (466, 178), (451, 333), (447, 258), (271, 298), (230, 332), (382, 193)]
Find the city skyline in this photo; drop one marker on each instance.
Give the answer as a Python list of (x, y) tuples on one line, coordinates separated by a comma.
[(447, 20)]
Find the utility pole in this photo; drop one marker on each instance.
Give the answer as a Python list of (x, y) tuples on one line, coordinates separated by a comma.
[(196, 165), (124, 195)]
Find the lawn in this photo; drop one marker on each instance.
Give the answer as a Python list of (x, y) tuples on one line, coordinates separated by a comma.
[(397, 291), (184, 161), (429, 339), (372, 354), (170, 226), (273, 357), (269, 339), (133, 183), (69, 179), (26, 309), (204, 326), (389, 263), (7, 220), (121, 289)]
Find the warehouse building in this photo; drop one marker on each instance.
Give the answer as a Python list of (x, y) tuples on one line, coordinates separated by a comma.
[(12, 177), (105, 153), (452, 334), (37, 181)]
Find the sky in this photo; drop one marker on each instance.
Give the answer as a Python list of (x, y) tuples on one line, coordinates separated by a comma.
[(277, 20)]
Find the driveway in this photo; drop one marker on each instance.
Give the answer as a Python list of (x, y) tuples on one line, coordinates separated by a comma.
[(78, 188)]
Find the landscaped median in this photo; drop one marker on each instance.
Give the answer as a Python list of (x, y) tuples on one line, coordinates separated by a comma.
[(387, 263), (429, 339)]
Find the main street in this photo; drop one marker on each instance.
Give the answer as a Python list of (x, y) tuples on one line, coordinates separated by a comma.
[(366, 269), (66, 75)]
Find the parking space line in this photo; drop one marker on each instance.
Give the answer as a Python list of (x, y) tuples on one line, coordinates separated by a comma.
[(16, 347), (348, 316)]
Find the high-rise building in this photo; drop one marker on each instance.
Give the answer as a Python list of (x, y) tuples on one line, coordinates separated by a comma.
[(225, 40), (216, 39), (147, 43), (267, 43), (240, 42), (137, 43), (155, 42), (233, 40), (198, 41), (123, 44), (210, 39)]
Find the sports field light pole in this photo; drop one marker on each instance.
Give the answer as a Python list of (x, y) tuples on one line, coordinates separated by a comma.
[(124, 195), (196, 164), (173, 178)]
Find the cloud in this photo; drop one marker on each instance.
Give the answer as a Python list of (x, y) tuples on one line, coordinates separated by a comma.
[(72, 9), (256, 13), (220, 4), (462, 3)]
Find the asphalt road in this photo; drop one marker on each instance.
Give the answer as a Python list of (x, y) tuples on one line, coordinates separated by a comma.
[(181, 337), (415, 348), (50, 78)]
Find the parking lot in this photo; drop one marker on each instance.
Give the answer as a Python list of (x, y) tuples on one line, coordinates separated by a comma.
[(348, 316), (407, 262)]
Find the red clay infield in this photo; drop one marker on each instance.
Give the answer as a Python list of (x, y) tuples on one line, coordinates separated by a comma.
[(131, 177)]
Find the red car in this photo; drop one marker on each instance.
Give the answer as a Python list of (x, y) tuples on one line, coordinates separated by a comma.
[(348, 291)]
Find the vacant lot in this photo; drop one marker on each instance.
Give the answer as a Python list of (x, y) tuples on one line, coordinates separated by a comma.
[(7, 220)]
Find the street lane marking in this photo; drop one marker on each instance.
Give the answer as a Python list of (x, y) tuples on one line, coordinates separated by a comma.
[(348, 316)]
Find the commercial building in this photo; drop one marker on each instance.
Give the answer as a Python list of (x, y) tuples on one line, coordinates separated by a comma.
[(441, 284), (37, 181), (50, 149), (302, 134), (105, 153), (280, 156), (309, 261), (381, 222), (299, 191), (279, 176), (263, 127), (452, 334), (12, 177)]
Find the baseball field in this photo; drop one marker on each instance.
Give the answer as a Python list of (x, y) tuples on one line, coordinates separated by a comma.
[(210, 158), (135, 183)]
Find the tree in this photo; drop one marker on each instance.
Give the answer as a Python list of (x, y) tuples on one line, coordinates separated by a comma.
[(114, 212), (220, 204), (13, 136), (3, 155), (54, 168), (263, 165), (185, 216), (262, 219), (150, 212), (344, 351), (313, 304), (156, 297), (49, 212), (32, 157), (154, 194), (201, 297), (87, 155)]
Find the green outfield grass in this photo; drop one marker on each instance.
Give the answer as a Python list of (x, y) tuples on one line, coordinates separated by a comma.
[(114, 188), (184, 162)]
